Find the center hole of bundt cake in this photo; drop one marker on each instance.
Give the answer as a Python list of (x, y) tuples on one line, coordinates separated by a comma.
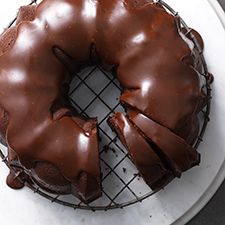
[(95, 92)]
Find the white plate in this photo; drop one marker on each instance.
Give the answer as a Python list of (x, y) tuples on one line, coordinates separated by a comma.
[(182, 199)]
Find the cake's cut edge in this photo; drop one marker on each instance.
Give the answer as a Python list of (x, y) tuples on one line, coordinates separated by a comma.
[(180, 154), (147, 162)]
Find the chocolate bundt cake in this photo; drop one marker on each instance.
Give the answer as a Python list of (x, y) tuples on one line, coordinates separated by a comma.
[(48, 142)]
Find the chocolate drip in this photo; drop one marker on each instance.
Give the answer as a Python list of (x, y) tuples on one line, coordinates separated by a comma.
[(13, 181)]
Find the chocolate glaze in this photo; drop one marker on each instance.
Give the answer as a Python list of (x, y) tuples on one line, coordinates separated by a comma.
[(58, 152), (156, 67)]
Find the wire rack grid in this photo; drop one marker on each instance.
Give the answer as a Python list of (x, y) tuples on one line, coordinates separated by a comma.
[(95, 92)]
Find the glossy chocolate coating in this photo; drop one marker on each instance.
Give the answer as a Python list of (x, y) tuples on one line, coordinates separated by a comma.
[(66, 147), (139, 38)]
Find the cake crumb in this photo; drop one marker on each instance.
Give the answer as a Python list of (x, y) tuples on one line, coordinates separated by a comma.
[(138, 175), (115, 139), (106, 148)]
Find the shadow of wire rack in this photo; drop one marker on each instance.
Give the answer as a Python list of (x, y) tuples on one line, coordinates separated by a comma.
[(95, 92)]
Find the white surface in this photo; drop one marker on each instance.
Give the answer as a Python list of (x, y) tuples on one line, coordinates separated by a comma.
[(182, 198)]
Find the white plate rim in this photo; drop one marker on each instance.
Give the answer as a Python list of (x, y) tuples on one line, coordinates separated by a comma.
[(219, 178)]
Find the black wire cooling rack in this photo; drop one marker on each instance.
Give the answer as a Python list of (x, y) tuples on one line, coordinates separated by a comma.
[(95, 92)]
